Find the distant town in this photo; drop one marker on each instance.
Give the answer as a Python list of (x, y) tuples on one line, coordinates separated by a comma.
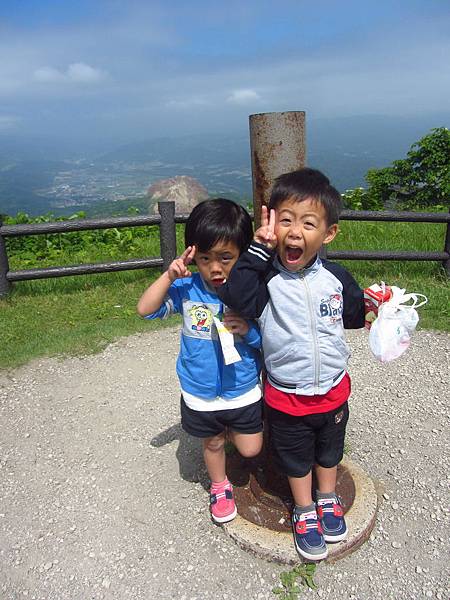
[(89, 182)]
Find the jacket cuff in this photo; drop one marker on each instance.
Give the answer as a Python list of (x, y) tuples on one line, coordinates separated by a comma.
[(261, 252), (253, 336)]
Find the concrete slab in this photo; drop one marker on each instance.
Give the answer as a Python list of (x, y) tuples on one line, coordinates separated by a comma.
[(278, 546)]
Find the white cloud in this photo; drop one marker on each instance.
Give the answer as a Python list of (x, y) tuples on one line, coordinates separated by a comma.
[(145, 71), (84, 73), (244, 97), (76, 73)]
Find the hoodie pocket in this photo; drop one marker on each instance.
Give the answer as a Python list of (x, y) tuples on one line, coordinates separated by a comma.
[(281, 360)]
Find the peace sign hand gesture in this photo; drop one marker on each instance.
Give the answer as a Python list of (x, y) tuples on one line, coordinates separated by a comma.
[(178, 268), (266, 233)]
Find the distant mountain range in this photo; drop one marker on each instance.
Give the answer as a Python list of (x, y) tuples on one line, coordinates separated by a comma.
[(43, 175)]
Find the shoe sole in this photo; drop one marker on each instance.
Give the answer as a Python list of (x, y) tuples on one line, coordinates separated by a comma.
[(335, 538), (225, 519), (311, 556)]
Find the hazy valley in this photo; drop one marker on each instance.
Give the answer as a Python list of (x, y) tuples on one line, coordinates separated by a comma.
[(40, 176)]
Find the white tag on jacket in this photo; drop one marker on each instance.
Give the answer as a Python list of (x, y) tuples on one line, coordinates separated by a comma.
[(230, 354)]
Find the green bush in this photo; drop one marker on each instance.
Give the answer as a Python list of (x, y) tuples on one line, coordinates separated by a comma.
[(419, 181)]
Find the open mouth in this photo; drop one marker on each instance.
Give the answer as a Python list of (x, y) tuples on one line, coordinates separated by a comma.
[(293, 254), (218, 282)]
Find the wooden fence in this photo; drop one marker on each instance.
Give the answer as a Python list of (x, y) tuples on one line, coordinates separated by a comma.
[(167, 219)]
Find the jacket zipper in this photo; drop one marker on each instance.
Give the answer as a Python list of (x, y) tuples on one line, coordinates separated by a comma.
[(313, 334)]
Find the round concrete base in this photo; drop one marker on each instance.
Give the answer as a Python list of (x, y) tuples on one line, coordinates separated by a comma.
[(278, 546)]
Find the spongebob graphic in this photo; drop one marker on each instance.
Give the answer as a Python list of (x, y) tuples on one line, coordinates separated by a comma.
[(202, 318)]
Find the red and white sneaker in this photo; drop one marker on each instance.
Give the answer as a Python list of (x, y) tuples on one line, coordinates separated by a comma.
[(332, 519), (223, 507)]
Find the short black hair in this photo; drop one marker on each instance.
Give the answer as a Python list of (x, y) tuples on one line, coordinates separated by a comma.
[(307, 183), (218, 219)]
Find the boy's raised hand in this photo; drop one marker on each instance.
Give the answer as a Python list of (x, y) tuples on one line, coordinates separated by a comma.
[(266, 233), (178, 268), (234, 323)]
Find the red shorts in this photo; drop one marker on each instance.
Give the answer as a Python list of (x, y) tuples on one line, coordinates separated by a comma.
[(300, 406)]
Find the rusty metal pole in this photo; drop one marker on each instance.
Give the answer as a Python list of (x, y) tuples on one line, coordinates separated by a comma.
[(277, 145)]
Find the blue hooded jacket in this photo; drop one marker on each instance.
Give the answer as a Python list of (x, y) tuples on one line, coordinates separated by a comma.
[(200, 366)]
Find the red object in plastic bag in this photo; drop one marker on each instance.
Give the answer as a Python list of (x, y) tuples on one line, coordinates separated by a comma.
[(374, 296)]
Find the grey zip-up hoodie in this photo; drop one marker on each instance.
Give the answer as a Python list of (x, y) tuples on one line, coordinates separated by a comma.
[(301, 315)]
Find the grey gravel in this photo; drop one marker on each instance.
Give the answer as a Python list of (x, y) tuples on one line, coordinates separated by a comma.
[(103, 496)]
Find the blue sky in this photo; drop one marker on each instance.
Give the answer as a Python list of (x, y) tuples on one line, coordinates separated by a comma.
[(132, 69)]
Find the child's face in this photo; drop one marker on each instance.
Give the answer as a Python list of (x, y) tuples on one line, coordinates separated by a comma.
[(301, 229), (215, 264)]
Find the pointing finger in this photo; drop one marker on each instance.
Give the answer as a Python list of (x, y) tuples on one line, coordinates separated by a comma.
[(192, 253), (185, 256)]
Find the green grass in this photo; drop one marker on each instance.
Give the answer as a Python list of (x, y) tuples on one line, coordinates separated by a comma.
[(76, 315), (81, 315)]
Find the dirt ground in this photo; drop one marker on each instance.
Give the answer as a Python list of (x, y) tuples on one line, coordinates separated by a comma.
[(102, 495)]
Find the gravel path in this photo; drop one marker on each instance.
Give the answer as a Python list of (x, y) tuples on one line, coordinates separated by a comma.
[(102, 494)]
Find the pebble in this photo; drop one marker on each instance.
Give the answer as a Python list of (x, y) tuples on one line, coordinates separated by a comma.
[(106, 583)]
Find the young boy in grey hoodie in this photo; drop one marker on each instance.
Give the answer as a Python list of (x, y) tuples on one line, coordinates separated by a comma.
[(302, 304)]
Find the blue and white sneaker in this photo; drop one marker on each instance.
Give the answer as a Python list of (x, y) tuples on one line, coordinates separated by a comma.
[(308, 538), (332, 519)]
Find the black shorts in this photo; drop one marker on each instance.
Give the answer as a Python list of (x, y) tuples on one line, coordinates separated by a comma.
[(203, 424), (300, 442)]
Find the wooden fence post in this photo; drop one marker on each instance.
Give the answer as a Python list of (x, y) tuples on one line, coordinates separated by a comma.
[(5, 285), (167, 233), (446, 263)]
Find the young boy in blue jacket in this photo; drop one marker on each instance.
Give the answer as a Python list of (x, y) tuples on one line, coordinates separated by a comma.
[(302, 304), (217, 399)]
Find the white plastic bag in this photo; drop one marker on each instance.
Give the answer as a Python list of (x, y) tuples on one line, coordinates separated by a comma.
[(390, 334)]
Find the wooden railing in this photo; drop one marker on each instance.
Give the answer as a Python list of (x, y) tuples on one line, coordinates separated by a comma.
[(166, 219)]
